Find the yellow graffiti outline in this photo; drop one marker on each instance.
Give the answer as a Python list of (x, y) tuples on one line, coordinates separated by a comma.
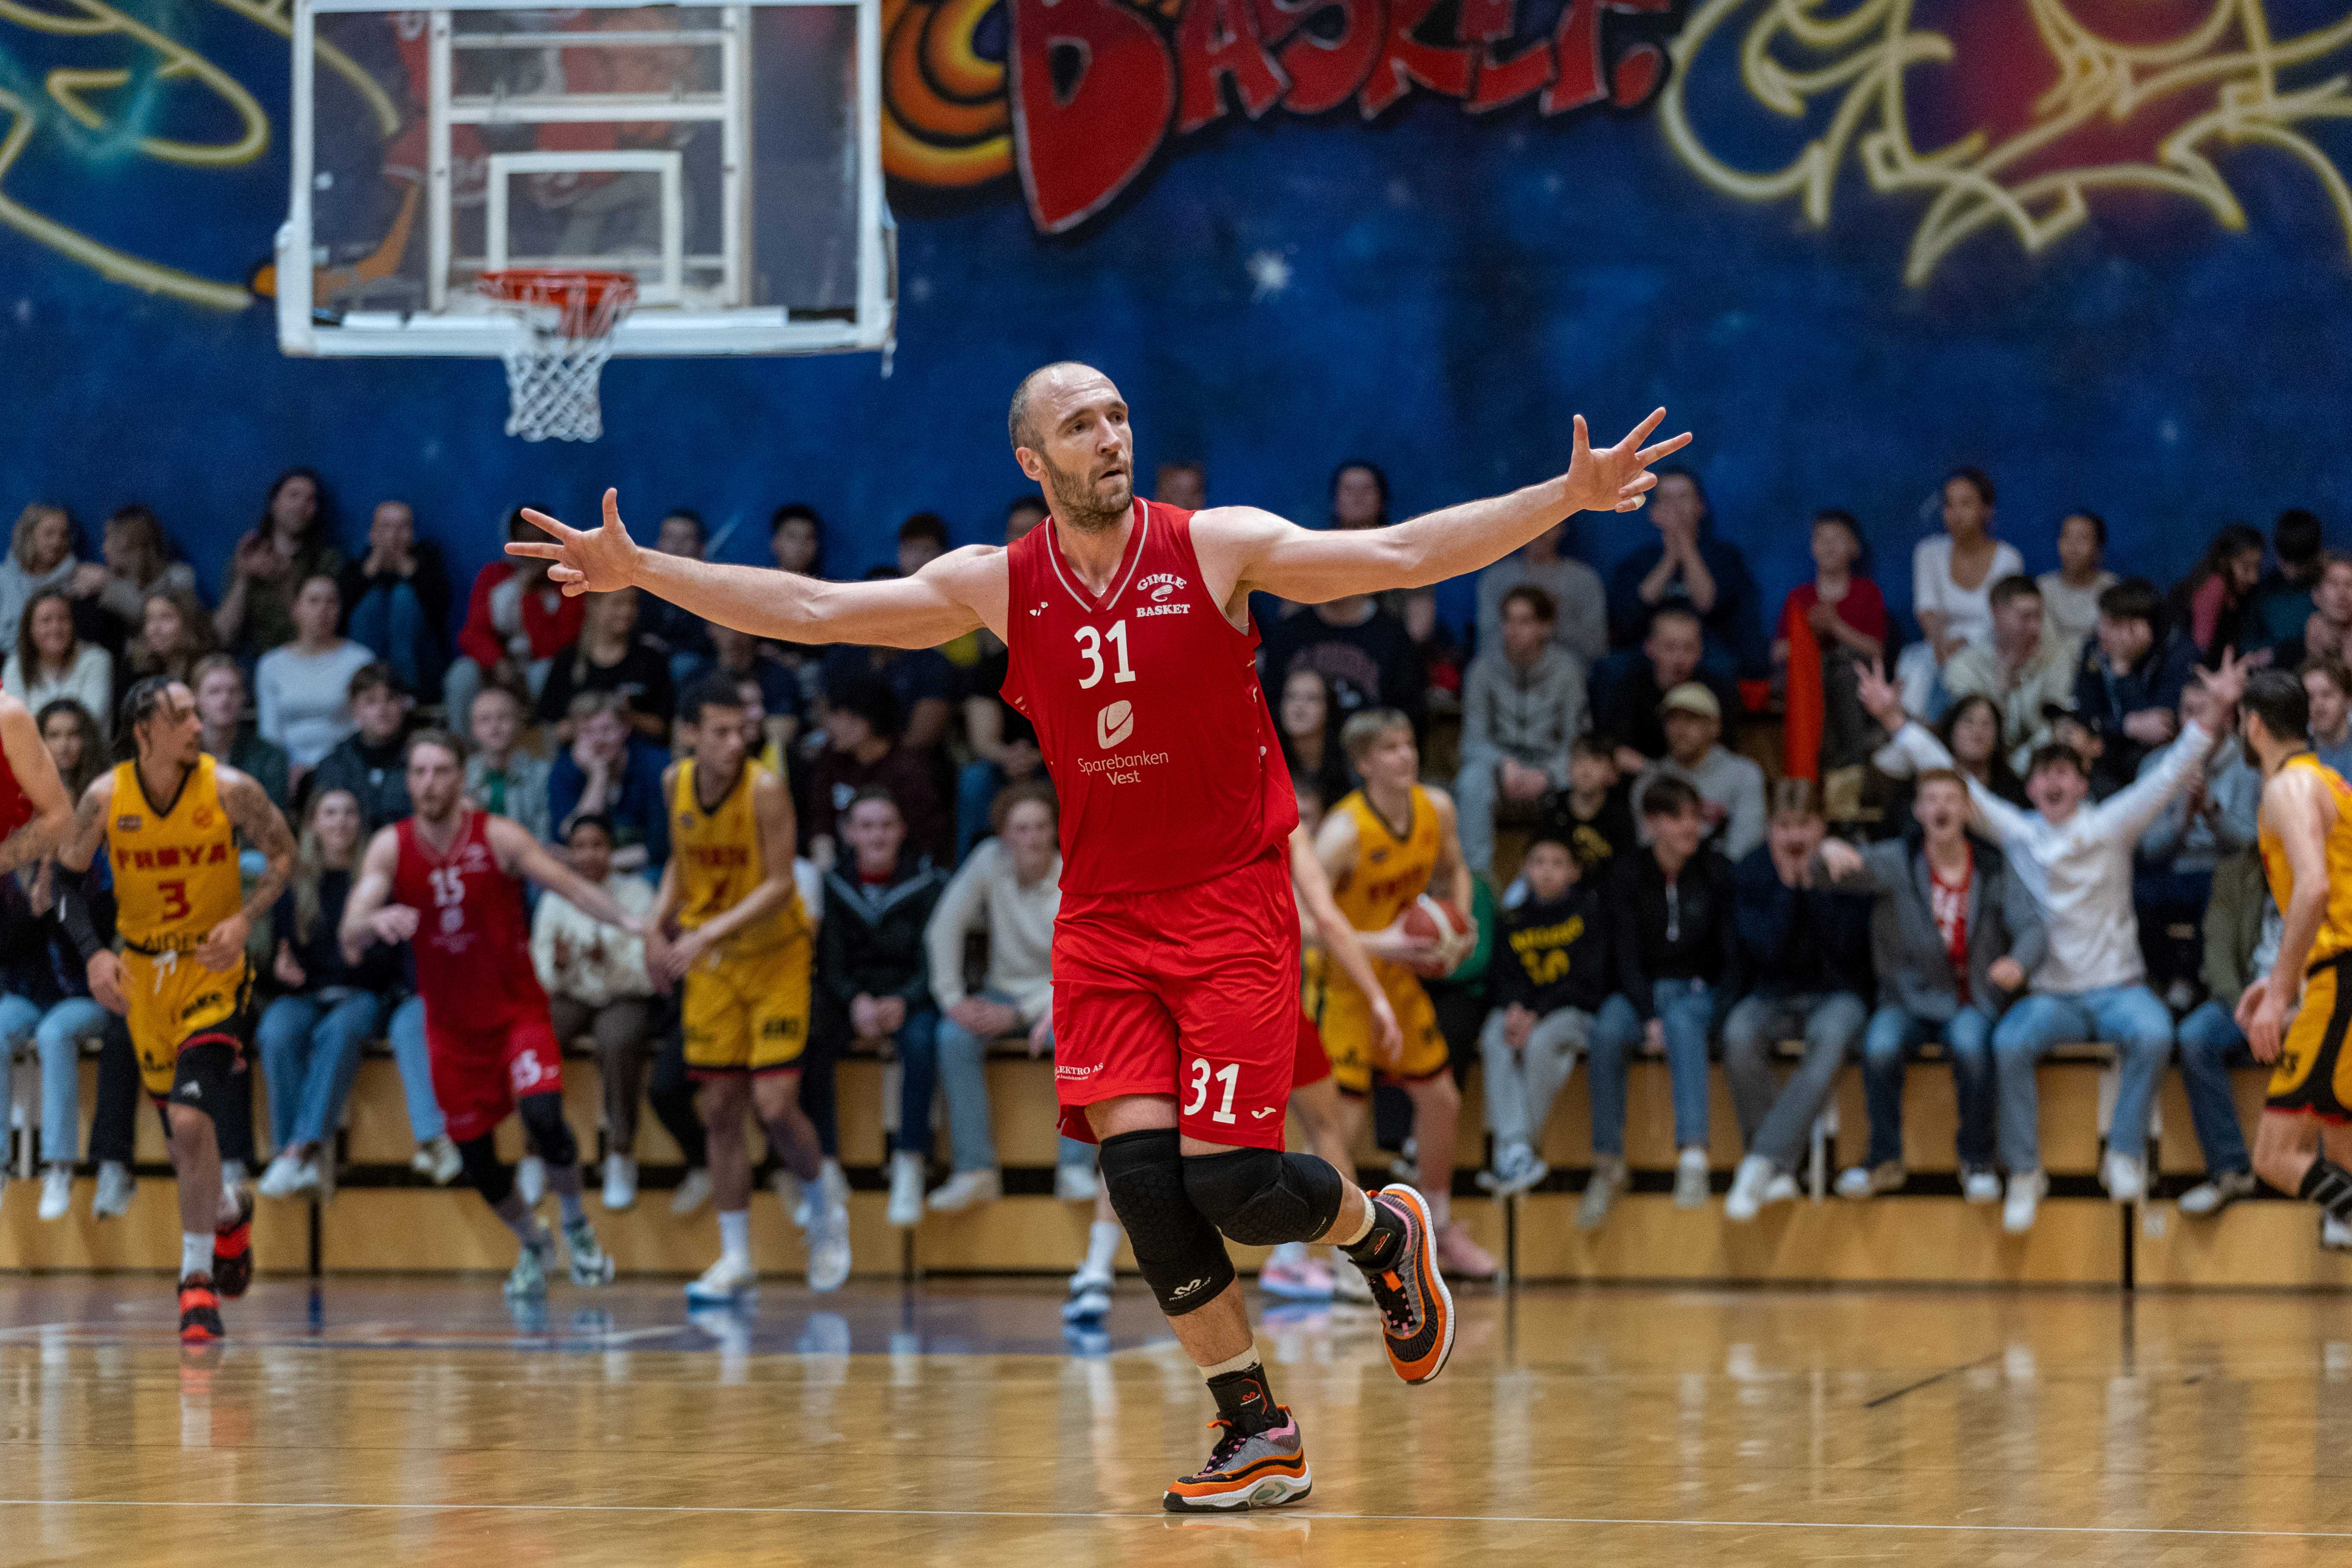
[(1869, 50)]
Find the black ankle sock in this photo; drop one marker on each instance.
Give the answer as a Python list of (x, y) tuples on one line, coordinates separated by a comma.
[(1382, 1243), (2329, 1185), (1247, 1399)]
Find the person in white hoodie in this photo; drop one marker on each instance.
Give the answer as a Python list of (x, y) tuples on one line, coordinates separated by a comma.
[(2076, 858), (1010, 888)]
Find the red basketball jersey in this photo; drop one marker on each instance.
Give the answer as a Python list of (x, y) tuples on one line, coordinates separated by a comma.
[(15, 805), (473, 933), (1147, 711)]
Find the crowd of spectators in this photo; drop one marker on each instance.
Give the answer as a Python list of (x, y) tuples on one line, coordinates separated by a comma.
[(2019, 829)]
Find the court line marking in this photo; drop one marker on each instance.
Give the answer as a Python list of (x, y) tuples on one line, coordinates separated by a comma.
[(1042, 1513)]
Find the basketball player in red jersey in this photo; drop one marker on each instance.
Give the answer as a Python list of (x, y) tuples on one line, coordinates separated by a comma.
[(35, 814), (449, 879), (1176, 952)]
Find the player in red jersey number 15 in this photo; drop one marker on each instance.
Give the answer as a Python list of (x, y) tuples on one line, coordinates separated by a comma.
[(1176, 949)]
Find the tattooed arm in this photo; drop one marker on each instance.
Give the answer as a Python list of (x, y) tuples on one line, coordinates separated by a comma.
[(262, 827), (75, 852)]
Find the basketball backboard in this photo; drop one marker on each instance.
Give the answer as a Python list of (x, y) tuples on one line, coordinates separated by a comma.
[(729, 156)]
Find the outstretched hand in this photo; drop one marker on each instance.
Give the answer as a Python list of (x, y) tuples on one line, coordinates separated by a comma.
[(595, 561), (2225, 686), (1615, 479), (1881, 698)]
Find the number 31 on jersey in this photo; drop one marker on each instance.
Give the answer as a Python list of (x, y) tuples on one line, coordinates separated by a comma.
[(1090, 648)]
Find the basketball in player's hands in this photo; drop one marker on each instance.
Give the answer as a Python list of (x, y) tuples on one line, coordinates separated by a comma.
[(1441, 920)]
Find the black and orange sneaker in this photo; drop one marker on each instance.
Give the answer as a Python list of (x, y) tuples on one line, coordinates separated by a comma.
[(200, 1319), (1262, 1470), (1416, 1310), (233, 1251)]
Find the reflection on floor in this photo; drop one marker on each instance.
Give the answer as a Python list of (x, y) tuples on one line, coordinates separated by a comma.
[(410, 1421)]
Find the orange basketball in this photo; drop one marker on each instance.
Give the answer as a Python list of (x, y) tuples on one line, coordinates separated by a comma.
[(1433, 919)]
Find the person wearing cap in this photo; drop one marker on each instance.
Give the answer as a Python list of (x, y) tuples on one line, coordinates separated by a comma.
[(2017, 664), (1630, 684), (1731, 787)]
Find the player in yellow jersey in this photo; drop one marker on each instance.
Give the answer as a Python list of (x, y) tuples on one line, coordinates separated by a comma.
[(170, 821), (743, 953), (2295, 1016), (1383, 846)]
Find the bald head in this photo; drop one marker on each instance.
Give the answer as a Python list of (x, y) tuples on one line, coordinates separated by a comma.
[(1037, 387)]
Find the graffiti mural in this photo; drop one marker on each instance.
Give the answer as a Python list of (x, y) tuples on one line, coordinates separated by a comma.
[(2137, 98)]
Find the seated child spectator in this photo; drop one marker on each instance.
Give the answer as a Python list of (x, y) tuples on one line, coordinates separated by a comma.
[(501, 774), (1548, 978), (368, 761), (1594, 814), (1953, 935), (611, 655), (220, 705), (1679, 964), (2019, 665), (517, 621), (609, 770), (309, 1038), (50, 661), (1522, 705), (596, 982), (1009, 891), (2128, 690), (1730, 788), (396, 598), (1830, 628), (1633, 687), (2070, 595), (302, 687), (2243, 928), (873, 974), (859, 754), (1806, 953)]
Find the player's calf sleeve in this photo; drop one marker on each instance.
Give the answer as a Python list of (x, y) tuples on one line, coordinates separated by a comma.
[(1177, 1250), (2329, 1185), (542, 1118), (490, 1175), (1262, 1197)]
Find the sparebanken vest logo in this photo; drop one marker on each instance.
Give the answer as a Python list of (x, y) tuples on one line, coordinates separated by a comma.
[(1114, 724)]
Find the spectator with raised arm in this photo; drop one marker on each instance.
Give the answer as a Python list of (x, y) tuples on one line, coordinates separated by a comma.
[(2128, 690), (49, 660), (517, 621), (1953, 935), (1952, 578), (2076, 859), (1521, 706), (1805, 948), (294, 542), (396, 600), (1582, 623), (2019, 665), (1691, 568), (302, 688), (1731, 787), (1008, 891)]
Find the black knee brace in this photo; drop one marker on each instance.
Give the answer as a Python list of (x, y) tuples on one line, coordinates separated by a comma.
[(542, 1116), (1178, 1251), (491, 1176), (1261, 1197)]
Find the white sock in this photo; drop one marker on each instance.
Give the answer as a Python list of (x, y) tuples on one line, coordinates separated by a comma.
[(735, 1234), (229, 1212), (1362, 1230), (1102, 1246), (1242, 1363), (1440, 1209), (195, 1252)]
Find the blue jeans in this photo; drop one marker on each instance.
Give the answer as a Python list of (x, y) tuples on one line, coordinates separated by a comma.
[(57, 1035), (963, 1078), (1687, 1009), (918, 1080), (391, 621), (1777, 1119), (310, 1052), (1892, 1035), (976, 785), (2210, 1045), (406, 1032), (2128, 1017)]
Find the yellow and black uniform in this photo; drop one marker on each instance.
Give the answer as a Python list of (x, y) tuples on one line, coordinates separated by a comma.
[(1391, 871), (747, 1000), (176, 878), (2313, 1074)]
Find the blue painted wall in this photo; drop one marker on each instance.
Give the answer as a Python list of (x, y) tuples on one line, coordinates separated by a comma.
[(1451, 289)]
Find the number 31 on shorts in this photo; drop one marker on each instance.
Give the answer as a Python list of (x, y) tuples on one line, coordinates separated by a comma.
[(1218, 1083)]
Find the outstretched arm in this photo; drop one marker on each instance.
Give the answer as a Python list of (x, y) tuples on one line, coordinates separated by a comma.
[(366, 915), (1244, 549), (959, 591), (524, 856), (36, 775)]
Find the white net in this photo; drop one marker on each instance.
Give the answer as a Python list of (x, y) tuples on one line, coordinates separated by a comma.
[(565, 335)]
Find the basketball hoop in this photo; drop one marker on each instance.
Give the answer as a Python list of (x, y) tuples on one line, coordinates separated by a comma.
[(568, 316)]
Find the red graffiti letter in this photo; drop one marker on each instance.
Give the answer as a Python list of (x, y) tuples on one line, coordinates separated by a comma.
[(1092, 90), (1215, 39), (1408, 61), (1324, 73), (1500, 80), (1583, 75)]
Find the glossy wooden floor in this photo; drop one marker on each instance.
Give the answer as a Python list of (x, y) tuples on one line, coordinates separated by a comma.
[(417, 1422)]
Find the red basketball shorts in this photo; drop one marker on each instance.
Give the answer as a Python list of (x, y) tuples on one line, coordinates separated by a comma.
[(1311, 1063), (479, 1074), (1191, 992)]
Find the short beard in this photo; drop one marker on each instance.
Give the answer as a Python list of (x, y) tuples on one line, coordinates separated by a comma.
[(1073, 502)]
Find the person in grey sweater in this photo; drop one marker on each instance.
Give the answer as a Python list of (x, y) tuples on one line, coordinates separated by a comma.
[(1953, 935), (1731, 787), (1581, 622), (1522, 706)]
